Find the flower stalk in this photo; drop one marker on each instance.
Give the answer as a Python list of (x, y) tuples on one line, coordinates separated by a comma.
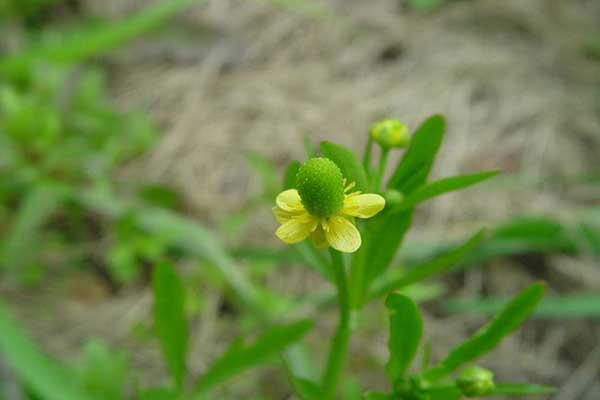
[(339, 344)]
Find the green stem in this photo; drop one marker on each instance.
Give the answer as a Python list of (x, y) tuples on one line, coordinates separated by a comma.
[(381, 169), (367, 156), (341, 338)]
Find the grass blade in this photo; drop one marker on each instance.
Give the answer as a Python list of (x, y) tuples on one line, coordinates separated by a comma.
[(169, 319), (563, 307), (46, 378), (98, 40)]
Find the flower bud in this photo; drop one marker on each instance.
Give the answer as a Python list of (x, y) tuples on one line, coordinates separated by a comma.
[(390, 133), (320, 184), (476, 381)]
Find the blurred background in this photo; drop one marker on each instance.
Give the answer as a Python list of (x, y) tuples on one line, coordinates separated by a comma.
[(109, 109)]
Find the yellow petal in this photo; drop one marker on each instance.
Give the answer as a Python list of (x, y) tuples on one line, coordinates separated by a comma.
[(319, 239), (283, 216), (289, 200), (342, 235), (297, 229), (363, 205)]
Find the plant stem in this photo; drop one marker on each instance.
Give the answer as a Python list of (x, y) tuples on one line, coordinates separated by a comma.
[(339, 343), (381, 169), (367, 156)]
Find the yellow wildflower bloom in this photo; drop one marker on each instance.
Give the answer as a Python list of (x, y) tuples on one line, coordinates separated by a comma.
[(337, 230)]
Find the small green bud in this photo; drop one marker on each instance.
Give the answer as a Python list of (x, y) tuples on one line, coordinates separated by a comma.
[(476, 381), (320, 184), (390, 133)]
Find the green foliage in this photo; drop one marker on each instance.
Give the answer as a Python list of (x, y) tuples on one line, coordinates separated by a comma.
[(169, 319), (406, 329), (345, 158), (90, 41), (241, 357), (563, 307), (102, 372), (42, 375), (509, 318)]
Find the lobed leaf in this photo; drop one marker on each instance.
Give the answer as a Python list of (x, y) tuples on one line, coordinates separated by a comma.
[(490, 336), (169, 319), (406, 329), (289, 179)]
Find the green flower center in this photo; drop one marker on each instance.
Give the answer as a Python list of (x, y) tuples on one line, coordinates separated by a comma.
[(320, 184)]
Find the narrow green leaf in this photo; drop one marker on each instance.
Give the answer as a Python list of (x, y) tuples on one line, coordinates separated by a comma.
[(289, 180), (563, 307), (266, 170), (38, 205), (309, 148), (97, 40), (378, 396), (442, 186), (445, 393), (348, 162), (437, 266), (241, 358), (406, 329), (45, 378), (169, 319), (307, 389), (522, 389), (414, 168), (490, 336)]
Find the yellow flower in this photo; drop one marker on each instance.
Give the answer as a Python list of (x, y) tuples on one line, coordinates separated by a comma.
[(337, 230)]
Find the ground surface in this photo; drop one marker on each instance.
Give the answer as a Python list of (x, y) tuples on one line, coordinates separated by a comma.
[(236, 76)]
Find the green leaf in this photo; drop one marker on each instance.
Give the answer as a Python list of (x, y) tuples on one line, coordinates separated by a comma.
[(169, 319), (165, 393), (351, 167), (437, 266), (37, 206), (307, 389), (267, 172), (490, 336), (525, 235), (563, 307), (45, 378), (240, 358), (445, 393), (289, 179), (442, 186), (378, 396), (406, 329), (522, 389), (102, 372), (416, 164), (90, 42)]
